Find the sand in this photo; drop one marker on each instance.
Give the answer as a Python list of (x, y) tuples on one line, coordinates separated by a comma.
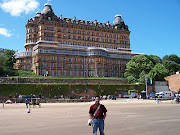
[(126, 117)]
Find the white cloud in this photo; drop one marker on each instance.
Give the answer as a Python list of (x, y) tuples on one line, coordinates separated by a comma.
[(48, 0), (5, 32), (16, 7)]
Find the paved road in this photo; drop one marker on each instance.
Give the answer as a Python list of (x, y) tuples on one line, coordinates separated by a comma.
[(71, 119)]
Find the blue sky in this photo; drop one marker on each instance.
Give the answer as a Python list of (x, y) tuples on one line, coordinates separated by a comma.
[(154, 24)]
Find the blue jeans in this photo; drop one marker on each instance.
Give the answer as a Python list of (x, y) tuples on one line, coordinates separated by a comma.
[(98, 123)]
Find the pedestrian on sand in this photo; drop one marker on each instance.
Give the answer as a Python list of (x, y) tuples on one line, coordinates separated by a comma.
[(26, 101), (99, 117)]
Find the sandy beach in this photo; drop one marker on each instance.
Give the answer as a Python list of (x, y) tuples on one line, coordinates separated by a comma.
[(125, 116)]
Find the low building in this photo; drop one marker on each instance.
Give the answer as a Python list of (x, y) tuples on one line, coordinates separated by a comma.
[(174, 82)]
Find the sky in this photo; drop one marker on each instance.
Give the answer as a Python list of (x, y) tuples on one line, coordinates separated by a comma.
[(154, 24)]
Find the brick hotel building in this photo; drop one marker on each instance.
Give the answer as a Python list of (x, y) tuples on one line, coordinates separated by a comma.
[(58, 46)]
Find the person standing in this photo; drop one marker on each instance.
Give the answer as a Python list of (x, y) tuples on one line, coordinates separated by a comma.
[(26, 101), (99, 117)]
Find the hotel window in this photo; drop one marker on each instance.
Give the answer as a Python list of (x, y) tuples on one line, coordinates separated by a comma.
[(64, 59), (64, 65), (64, 31), (35, 30), (92, 45), (58, 65), (110, 36), (81, 73), (106, 35), (30, 36), (45, 28), (76, 59), (69, 37), (91, 60), (97, 34), (64, 73), (74, 43), (92, 39), (64, 36), (71, 73), (106, 40), (52, 35), (69, 42), (59, 73), (84, 38), (88, 33), (88, 38), (106, 46), (111, 47), (79, 32), (114, 36), (70, 59), (59, 36), (97, 45), (69, 31), (44, 57), (84, 44), (84, 33), (79, 37), (35, 36), (88, 45), (76, 66), (114, 41), (30, 31), (102, 40), (110, 40), (74, 32), (60, 42), (52, 72), (81, 59), (99, 59), (92, 34), (44, 64), (59, 30), (70, 65), (76, 73), (74, 37), (79, 43), (102, 46), (101, 35), (52, 64), (64, 42), (52, 58)]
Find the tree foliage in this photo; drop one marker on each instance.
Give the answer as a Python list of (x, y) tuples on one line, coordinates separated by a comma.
[(152, 67), (172, 57), (6, 63), (158, 72), (137, 67)]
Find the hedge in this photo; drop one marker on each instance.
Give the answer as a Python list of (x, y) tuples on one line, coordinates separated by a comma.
[(64, 89)]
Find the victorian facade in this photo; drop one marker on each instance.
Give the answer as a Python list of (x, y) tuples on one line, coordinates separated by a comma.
[(58, 46)]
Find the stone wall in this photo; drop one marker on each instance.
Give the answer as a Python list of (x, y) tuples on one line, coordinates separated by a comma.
[(62, 81)]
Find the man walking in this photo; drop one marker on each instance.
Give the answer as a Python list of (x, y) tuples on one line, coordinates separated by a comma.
[(97, 113)]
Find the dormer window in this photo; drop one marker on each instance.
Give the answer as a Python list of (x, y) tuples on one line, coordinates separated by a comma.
[(49, 18)]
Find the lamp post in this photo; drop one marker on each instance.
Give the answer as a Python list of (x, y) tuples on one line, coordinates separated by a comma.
[(146, 86)]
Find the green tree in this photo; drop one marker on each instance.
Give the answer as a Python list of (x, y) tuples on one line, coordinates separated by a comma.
[(137, 67), (10, 59), (172, 57), (171, 66), (158, 72), (155, 59)]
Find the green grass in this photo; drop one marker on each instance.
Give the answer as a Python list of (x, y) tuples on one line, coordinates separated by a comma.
[(30, 74)]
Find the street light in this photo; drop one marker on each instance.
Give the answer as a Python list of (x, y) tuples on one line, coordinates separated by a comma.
[(146, 86)]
